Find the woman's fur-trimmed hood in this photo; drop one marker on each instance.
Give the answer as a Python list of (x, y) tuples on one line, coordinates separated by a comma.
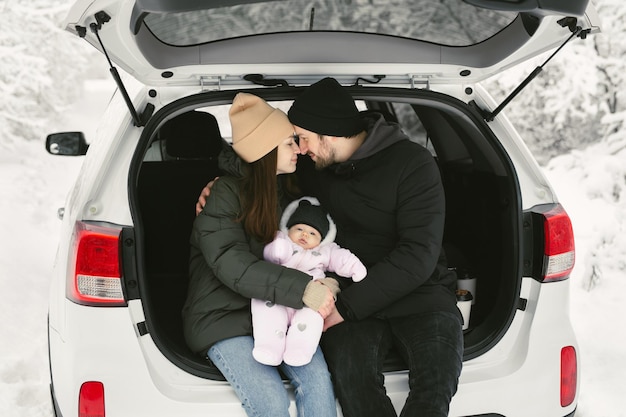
[(291, 208)]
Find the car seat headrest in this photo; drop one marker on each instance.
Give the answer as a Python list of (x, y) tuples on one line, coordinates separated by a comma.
[(192, 135)]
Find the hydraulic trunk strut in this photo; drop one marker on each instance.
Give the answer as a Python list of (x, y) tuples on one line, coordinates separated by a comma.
[(576, 31), (138, 120)]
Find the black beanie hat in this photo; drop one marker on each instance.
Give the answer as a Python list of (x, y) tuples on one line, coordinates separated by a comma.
[(311, 215), (326, 108)]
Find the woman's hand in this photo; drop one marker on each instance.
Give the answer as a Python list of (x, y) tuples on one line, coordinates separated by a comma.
[(328, 304), (204, 194), (332, 285), (319, 297)]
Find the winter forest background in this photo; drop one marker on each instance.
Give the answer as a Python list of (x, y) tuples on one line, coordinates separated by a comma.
[(571, 116), (576, 100)]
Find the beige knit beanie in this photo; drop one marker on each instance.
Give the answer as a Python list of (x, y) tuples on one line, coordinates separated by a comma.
[(257, 127)]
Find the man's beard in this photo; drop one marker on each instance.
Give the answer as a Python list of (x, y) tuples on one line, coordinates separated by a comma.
[(323, 162)]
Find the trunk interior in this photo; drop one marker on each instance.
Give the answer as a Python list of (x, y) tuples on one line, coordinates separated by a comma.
[(483, 220)]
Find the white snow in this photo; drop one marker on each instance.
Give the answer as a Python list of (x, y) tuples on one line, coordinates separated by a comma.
[(591, 184), (33, 185)]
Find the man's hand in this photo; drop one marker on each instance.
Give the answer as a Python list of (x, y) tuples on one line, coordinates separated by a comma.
[(328, 305), (204, 194), (332, 319)]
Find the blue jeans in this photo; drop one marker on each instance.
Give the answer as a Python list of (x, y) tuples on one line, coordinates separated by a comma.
[(431, 345), (260, 387)]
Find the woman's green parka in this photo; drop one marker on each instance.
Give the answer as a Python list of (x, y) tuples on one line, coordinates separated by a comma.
[(226, 270)]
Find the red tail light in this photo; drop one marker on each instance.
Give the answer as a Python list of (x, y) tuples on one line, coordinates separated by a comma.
[(569, 375), (559, 254), (91, 399), (97, 279)]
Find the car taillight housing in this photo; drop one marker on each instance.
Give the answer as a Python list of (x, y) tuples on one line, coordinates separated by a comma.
[(91, 399), (96, 279), (558, 253), (569, 375)]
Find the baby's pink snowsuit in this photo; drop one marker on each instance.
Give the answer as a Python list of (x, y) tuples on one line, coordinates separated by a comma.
[(292, 335)]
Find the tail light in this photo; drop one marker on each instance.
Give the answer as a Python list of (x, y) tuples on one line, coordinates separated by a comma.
[(569, 375), (559, 254), (97, 278), (91, 399)]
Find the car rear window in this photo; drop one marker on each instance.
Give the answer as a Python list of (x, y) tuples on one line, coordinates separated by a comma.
[(446, 22)]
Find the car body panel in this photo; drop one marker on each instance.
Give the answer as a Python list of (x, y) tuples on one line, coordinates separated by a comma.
[(303, 56), (122, 358), (535, 188), (95, 195)]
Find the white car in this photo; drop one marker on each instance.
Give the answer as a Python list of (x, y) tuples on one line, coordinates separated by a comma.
[(115, 340)]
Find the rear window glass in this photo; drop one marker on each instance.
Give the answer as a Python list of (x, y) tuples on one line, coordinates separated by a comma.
[(446, 22), (402, 113)]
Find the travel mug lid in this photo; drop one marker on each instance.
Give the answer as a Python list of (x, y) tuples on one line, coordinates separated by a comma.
[(463, 295)]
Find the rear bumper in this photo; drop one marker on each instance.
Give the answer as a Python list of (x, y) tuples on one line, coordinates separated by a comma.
[(102, 344), (521, 375), (518, 377), (500, 415)]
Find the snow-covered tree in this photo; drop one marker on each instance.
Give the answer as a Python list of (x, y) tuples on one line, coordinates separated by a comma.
[(565, 107), (42, 67), (611, 50), (598, 170)]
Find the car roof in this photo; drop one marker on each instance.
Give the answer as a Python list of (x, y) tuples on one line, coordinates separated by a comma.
[(174, 42)]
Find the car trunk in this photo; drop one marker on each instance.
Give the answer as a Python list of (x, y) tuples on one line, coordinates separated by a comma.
[(483, 219)]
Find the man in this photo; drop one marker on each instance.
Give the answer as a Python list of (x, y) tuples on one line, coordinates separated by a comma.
[(386, 197)]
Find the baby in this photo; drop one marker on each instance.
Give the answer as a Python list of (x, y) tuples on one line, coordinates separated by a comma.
[(305, 242)]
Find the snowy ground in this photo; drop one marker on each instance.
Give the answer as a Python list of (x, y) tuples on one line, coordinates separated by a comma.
[(34, 184)]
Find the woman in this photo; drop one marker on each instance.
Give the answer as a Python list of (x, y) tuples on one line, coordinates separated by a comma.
[(227, 269)]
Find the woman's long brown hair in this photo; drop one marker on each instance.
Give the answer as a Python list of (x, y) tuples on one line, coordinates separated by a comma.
[(259, 198)]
